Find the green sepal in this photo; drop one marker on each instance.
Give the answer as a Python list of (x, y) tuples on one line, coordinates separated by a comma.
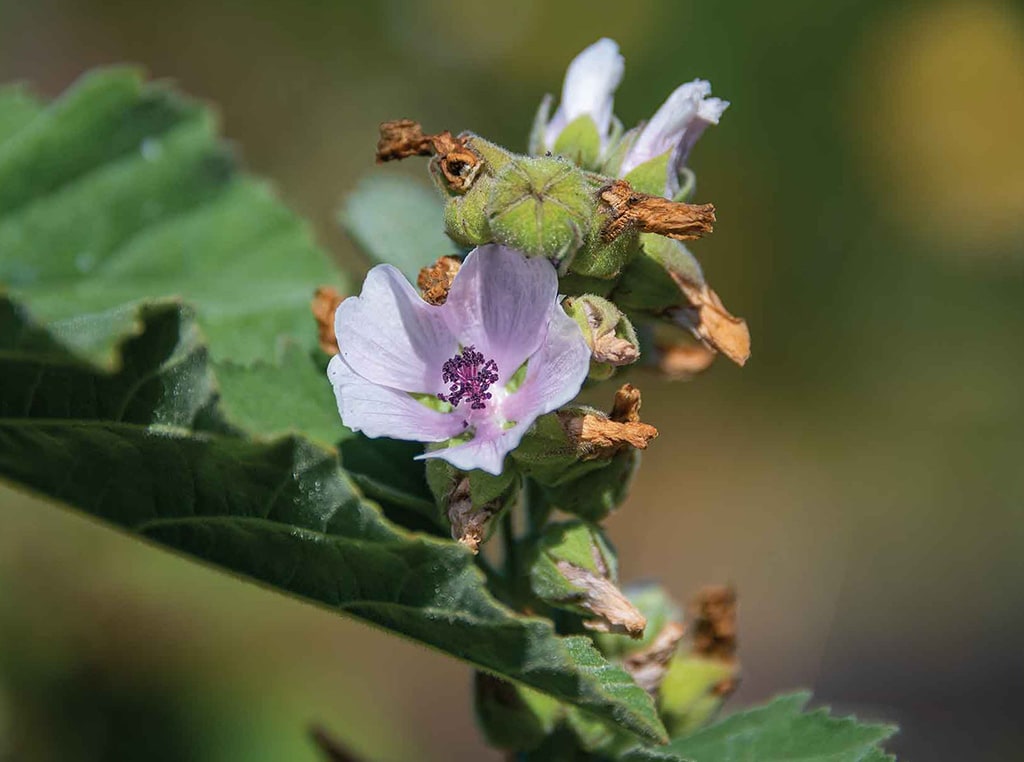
[(687, 185), (618, 148), (542, 207), (687, 696), (602, 259), (536, 146), (574, 284), (593, 494), (580, 142), (512, 716), (651, 176), (494, 156), (547, 454), (647, 285)]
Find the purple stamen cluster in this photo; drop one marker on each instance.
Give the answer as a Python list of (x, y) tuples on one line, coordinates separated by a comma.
[(470, 376)]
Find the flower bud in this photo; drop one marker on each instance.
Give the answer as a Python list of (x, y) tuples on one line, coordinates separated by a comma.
[(574, 568), (583, 125), (609, 334), (543, 207), (656, 155)]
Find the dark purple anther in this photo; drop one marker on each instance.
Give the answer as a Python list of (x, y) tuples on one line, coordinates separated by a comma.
[(470, 377)]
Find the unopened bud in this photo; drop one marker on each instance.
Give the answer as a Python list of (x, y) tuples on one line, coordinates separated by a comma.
[(609, 333), (575, 569)]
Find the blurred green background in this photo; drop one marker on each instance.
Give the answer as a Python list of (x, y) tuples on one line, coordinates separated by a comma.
[(860, 481)]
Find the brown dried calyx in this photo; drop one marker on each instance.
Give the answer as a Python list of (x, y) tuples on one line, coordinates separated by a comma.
[(682, 360), (435, 281), (324, 305), (469, 522), (597, 436), (602, 598), (402, 138), (632, 210), (648, 667), (713, 616), (711, 322), (713, 619)]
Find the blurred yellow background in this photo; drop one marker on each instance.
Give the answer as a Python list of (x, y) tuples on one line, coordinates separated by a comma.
[(860, 481)]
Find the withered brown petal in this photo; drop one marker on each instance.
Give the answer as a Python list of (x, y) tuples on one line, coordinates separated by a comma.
[(324, 305), (602, 598)]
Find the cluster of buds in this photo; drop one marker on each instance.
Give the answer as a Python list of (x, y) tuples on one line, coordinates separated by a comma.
[(574, 265)]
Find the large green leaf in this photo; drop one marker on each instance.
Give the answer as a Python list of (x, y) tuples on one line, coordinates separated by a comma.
[(119, 446), (119, 191), (779, 731), (398, 221)]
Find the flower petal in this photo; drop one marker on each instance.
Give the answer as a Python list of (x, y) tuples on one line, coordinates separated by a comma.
[(486, 451), (555, 373), (500, 302), (378, 411), (390, 336), (590, 83), (676, 125)]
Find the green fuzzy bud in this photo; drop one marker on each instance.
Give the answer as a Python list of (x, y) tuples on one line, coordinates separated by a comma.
[(690, 694), (512, 716), (465, 217), (549, 455), (580, 142), (647, 284), (601, 259), (609, 334), (543, 207), (573, 568)]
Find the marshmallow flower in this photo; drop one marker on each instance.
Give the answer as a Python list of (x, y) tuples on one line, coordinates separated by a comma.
[(675, 127), (430, 373), (588, 90)]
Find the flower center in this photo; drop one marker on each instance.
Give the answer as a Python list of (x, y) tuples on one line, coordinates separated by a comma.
[(469, 376)]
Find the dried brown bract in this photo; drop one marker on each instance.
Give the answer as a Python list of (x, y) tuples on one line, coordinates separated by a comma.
[(648, 667), (711, 322), (598, 436), (469, 522), (402, 138), (713, 616), (324, 305), (602, 598), (681, 361), (436, 280), (630, 209)]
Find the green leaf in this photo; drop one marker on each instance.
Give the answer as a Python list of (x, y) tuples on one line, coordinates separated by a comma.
[(121, 190), (292, 395), (118, 446), (777, 732), (399, 222)]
